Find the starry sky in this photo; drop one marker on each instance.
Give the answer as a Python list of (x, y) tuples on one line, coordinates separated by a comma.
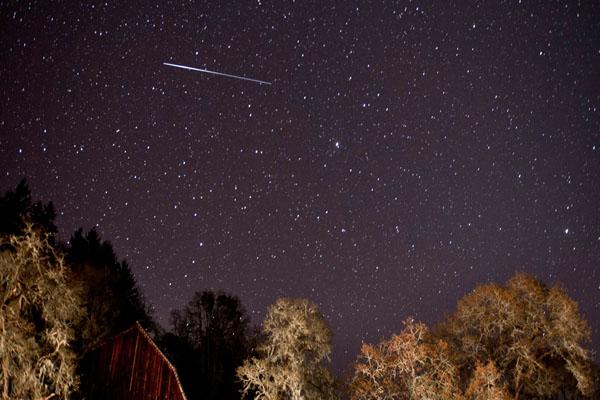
[(405, 151)]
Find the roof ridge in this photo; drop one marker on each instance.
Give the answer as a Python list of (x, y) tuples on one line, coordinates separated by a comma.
[(171, 366)]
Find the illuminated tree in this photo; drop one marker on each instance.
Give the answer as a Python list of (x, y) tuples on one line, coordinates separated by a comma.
[(37, 313), (410, 365), (289, 364), (533, 334), (486, 384)]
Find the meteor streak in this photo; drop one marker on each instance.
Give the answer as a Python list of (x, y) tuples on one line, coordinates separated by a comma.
[(217, 73)]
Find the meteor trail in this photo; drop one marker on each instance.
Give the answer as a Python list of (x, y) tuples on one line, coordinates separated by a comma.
[(218, 73)]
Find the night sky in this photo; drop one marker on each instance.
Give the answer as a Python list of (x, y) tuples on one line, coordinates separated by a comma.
[(405, 151)]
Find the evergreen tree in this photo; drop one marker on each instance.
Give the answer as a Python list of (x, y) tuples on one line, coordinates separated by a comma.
[(112, 298), (17, 209)]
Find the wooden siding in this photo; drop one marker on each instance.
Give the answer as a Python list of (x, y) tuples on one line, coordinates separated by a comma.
[(129, 366)]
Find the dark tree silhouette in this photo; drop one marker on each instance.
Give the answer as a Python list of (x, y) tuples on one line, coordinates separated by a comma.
[(17, 209), (210, 339), (112, 297)]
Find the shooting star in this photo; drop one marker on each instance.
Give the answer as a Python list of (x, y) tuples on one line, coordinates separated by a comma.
[(217, 73)]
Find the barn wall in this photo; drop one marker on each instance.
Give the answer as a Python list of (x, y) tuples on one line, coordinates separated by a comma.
[(130, 367)]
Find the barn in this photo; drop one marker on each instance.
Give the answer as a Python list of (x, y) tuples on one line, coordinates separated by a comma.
[(129, 366)]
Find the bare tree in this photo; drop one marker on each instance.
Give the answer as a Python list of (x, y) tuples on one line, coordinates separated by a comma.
[(486, 384), (37, 313), (409, 366), (533, 334), (290, 360)]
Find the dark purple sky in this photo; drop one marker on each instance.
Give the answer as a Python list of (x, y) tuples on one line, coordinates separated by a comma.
[(404, 153)]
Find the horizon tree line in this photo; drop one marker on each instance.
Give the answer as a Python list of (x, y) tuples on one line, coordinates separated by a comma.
[(521, 340)]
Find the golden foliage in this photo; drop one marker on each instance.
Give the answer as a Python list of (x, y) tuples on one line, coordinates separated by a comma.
[(534, 335), (410, 365), (518, 341), (486, 384)]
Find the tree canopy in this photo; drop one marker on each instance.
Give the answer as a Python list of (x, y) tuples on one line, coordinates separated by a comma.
[(17, 210), (290, 361), (104, 288), (411, 365), (486, 384), (112, 298), (533, 334), (210, 338), (38, 311), (523, 340)]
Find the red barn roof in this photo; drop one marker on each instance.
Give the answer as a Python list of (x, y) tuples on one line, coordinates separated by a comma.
[(129, 366)]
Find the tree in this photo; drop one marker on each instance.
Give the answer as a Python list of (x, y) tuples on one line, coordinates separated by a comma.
[(17, 209), (533, 334), (210, 339), (409, 366), (486, 384), (289, 363), (37, 314), (112, 299)]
